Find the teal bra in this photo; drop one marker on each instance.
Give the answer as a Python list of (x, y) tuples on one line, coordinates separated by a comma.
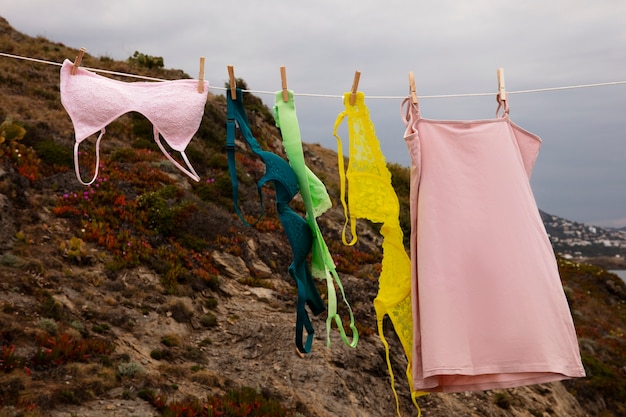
[(298, 232)]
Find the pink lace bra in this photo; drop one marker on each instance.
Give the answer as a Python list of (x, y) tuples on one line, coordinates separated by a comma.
[(175, 109)]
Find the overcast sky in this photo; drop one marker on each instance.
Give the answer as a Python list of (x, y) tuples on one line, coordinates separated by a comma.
[(453, 47)]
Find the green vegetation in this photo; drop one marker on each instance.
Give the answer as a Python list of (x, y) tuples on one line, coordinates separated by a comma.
[(243, 402), (171, 340), (129, 369), (21, 157), (146, 61), (503, 400), (401, 182), (154, 228), (10, 131), (54, 351), (208, 320), (598, 303), (348, 259), (57, 157)]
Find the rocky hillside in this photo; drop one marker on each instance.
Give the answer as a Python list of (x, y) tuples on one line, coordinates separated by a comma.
[(144, 295)]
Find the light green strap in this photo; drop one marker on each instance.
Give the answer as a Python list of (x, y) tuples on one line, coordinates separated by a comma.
[(322, 265)]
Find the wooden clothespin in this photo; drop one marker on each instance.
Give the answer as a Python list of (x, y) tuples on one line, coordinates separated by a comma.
[(412, 88), (79, 58), (231, 82), (501, 90), (355, 86), (283, 79), (201, 76)]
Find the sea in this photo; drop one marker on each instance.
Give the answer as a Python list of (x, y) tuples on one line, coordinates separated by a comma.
[(620, 273)]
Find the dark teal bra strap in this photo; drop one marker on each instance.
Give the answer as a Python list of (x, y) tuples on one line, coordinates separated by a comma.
[(232, 166)]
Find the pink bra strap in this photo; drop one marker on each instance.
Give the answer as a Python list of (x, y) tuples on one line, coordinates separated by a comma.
[(504, 105), (189, 172), (412, 112), (77, 168)]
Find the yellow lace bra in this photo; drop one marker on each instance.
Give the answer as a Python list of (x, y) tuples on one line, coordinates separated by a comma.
[(371, 196)]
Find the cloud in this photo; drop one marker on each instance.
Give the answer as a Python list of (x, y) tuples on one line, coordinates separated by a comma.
[(451, 46)]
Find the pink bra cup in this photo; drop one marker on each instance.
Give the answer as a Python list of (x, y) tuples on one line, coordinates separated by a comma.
[(175, 109)]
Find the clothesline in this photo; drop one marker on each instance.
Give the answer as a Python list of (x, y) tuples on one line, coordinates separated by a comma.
[(142, 77)]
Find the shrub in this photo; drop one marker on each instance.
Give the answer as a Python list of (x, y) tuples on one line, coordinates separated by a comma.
[(208, 320), (171, 340), (48, 325), (101, 328), (180, 312), (164, 216), (502, 400), (146, 61), (10, 131), (79, 327), (401, 182), (256, 282), (75, 250), (157, 354), (8, 359), (64, 348), (212, 130), (129, 369), (194, 354), (22, 157), (53, 154), (50, 308), (139, 230), (211, 303), (243, 402)]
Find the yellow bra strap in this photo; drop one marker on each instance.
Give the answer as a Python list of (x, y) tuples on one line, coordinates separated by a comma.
[(386, 345), (342, 182)]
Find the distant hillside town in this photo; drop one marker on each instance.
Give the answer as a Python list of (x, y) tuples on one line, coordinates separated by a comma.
[(575, 240)]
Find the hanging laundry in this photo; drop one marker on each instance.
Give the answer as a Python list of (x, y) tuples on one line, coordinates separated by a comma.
[(175, 109), (371, 196), (298, 232), (488, 306), (316, 201)]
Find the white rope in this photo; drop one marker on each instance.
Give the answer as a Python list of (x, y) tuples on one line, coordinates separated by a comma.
[(535, 90)]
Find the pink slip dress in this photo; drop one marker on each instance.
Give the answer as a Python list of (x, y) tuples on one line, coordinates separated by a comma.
[(489, 310)]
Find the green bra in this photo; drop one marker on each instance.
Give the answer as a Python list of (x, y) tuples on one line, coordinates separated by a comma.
[(316, 201)]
